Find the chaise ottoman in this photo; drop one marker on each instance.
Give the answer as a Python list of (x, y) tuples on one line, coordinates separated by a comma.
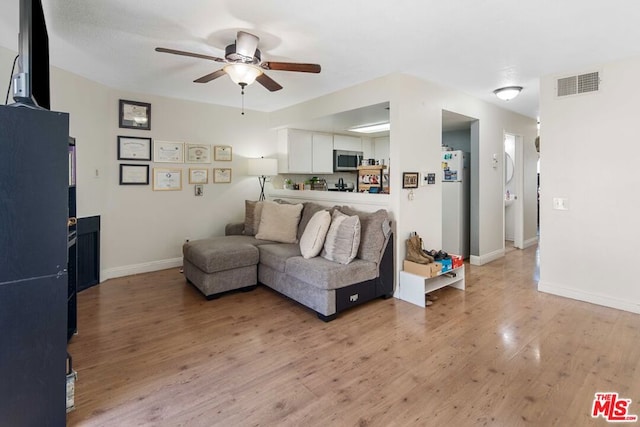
[(221, 264)]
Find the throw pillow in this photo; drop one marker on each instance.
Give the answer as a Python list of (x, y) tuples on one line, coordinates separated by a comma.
[(343, 238), (312, 239), (252, 214), (279, 222), (308, 211), (374, 231)]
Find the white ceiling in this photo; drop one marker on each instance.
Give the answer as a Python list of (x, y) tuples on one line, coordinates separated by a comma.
[(475, 46)]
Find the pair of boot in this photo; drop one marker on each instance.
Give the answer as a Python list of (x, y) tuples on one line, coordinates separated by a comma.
[(415, 252)]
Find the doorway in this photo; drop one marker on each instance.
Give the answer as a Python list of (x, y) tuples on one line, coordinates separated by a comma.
[(513, 191), (460, 219)]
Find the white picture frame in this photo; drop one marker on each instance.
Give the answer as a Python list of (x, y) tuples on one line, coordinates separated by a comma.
[(168, 152), (198, 176), (198, 153), (167, 179)]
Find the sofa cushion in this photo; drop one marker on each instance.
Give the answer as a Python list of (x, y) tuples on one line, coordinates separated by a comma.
[(279, 222), (252, 214), (315, 232), (373, 233), (325, 274), (221, 253), (343, 238), (275, 255), (308, 211)]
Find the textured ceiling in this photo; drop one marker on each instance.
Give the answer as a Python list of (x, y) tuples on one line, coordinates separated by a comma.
[(475, 46)]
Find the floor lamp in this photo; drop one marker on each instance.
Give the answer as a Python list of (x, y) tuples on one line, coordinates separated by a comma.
[(262, 168)]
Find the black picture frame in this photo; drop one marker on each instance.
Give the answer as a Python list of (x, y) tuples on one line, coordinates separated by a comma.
[(134, 148), (131, 174), (410, 179), (134, 115)]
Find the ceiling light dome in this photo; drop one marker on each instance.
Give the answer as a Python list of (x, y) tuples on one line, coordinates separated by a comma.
[(242, 74), (508, 93)]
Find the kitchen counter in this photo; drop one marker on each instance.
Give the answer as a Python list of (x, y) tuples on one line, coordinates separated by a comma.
[(369, 201)]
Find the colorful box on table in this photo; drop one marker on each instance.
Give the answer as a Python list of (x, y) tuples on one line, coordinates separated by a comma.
[(425, 270), (456, 261), (447, 265)]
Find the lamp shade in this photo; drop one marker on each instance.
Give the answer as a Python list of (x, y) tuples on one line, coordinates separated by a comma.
[(263, 167), (242, 74)]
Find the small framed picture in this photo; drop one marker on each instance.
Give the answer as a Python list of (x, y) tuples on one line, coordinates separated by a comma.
[(166, 179), (134, 148), (222, 153), (198, 153), (134, 174), (199, 190), (198, 176), (168, 152), (222, 175), (135, 115), (410, 179)]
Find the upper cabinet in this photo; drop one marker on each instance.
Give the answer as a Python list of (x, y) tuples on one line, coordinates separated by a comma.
[(322, 159), (347, 143), (302, 151)]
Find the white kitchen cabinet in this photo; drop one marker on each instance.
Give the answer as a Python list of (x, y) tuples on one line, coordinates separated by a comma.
[(322, 158), (347, 143), (301, 151)]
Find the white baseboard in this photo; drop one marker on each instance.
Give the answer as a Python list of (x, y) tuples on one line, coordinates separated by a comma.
[(128, 270), (530, 242), (487, 258), (580, 295)]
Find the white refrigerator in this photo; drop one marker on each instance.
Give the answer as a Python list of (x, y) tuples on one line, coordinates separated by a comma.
[(455, 202)]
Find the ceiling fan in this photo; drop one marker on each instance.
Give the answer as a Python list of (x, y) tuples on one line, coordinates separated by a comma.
[(244, 64)]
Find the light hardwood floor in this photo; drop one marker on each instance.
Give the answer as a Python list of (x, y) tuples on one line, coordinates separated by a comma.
[(152, 351)]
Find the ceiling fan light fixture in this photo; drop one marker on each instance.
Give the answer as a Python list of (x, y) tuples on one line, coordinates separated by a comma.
[(242, 74), (508, 93)]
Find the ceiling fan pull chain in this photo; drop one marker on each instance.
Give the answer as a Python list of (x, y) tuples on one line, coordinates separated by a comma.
[(242, 92)]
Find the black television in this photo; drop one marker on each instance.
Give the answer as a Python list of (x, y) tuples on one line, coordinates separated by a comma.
[(31, 83)]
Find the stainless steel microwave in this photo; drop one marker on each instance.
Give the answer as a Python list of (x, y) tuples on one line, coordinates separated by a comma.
[(346, 160)]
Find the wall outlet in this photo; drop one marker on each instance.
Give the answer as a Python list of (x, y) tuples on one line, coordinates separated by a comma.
[(186, 240)]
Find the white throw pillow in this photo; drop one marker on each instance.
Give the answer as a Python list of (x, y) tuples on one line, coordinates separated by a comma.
[(343, 238), (312, 239), (279, 222)]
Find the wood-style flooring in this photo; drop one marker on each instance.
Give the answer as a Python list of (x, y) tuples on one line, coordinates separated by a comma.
[(152, 351)]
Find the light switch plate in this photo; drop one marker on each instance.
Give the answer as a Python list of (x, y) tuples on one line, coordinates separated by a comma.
[(560, 204)]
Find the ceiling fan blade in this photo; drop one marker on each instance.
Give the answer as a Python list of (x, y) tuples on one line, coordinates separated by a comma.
[(291, 66), (183, 53), (246, 44), (209, 77), (268, 82)]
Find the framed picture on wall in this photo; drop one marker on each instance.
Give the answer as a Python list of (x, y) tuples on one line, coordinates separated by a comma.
[(410, 179), (198, 176), (135, 115), (222, 175), (165, 179), (198, 153), (222, 153), (134, 148), (134, 174), (168, 152)]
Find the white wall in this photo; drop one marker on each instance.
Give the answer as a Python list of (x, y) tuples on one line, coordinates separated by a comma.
[(416, 117), (589, 146), (143, 230)]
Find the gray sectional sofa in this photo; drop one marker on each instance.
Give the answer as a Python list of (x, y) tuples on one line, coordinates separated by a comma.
[(241, 260)]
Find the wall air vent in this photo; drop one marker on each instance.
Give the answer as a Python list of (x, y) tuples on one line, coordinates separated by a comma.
[(574, 85)]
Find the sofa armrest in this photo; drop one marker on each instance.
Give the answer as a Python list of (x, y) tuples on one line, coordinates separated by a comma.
[(234, 229)]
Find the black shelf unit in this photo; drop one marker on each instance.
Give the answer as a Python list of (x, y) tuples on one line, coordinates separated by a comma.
[(72, 246), (33, 266)]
